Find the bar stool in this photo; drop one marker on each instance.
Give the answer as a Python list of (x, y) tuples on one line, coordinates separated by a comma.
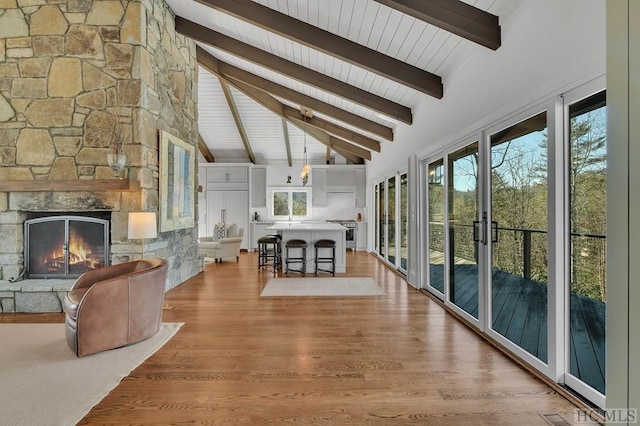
[(268, 252), (295, 244), (326, 244), (279, 246)]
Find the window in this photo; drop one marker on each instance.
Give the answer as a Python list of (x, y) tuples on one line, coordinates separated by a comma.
[(290, 204)]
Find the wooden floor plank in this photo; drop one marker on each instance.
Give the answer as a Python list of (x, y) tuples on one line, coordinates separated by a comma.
[(398, 359)]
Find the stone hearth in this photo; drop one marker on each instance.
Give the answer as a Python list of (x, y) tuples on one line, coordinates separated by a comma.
[(33, 296)]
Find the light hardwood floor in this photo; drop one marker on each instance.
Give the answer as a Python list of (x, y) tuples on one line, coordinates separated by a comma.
[(398, 359)]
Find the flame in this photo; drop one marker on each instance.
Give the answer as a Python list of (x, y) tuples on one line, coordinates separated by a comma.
[(80, 251)]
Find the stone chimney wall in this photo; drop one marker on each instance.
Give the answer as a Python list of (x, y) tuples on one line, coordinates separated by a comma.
[(72, 74)]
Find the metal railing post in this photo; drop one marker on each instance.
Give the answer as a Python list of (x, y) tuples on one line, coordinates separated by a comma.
[(526, 253)]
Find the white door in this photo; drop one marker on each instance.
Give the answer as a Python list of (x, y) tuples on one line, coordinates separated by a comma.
[(228, 207), (215, 209), (237, 211), (202, 215)]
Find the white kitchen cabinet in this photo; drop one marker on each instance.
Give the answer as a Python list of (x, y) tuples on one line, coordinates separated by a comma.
[(229, 207), (237, 174), (259, 187), (361, 236), (202, 215), (340, 180), (222, 174), (319, 186), (227, 177), (361, 187), (202, 201), (259, 229), (217, 174)]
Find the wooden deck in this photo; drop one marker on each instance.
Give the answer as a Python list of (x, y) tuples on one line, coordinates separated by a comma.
[(520, 314)]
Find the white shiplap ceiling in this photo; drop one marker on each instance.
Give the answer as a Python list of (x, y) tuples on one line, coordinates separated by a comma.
[(365, 22)]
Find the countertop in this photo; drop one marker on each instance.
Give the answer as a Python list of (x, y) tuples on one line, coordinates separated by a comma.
[(307, 227)]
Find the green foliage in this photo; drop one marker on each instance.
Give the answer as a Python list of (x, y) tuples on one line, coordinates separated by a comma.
[(299, 201), (588, 202), (519, 203), (281, 203)]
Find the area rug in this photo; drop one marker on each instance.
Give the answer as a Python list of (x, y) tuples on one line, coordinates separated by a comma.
[(325, 287), (42, 382)]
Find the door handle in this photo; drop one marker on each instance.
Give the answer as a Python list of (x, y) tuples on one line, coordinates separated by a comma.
[(476, 230), (494, 231), (485, 229)]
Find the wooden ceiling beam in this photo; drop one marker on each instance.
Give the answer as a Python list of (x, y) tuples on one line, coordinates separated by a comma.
[(290, 69), (330, 44), (313, 104), (336, 130), (238, 120), (454, 16), (333, 142), (324, 138), (204, 150), (340, 146), (287, 142), (211, 64)]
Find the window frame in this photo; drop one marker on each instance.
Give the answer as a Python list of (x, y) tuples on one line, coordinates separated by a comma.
[(290, 191)]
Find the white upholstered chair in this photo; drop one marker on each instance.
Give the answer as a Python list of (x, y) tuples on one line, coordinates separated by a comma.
[(225, 247)]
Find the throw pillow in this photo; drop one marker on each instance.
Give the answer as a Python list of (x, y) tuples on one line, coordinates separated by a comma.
[(219, 231), (232, 230)]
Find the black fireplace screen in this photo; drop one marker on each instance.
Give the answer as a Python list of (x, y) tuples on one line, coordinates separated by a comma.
[(65, 246)]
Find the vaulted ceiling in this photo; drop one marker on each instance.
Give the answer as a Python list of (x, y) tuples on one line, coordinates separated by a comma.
[(339, 76)]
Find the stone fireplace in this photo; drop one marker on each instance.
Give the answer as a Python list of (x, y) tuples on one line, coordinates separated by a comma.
[(65, 245), (72, 73)]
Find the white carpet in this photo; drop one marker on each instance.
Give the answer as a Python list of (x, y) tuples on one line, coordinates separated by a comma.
[(42, 382), (331, 287)]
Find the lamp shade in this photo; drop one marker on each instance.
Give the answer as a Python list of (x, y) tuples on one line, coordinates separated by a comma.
[(142, 225)]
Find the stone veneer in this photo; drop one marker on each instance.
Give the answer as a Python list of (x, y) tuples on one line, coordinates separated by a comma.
[(69, 71)]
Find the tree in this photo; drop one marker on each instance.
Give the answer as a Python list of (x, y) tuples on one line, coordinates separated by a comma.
[(587, 192)]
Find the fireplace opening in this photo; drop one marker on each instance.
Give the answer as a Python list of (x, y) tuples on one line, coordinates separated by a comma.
[(65, 246)]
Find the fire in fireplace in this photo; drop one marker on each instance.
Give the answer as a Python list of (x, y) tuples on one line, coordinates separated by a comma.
[(65, 246)]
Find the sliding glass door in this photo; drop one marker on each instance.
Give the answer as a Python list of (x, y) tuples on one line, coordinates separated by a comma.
[(435, 226), (391, 211), (377, 216), (403, 225), (382, 219), (515, 236), (518, 234), (392, 246), (463, 214), (587, 256)]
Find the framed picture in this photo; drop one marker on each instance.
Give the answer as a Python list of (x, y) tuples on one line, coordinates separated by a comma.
[(177, 180)]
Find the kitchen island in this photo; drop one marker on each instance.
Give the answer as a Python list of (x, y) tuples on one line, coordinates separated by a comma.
[(312, 232)]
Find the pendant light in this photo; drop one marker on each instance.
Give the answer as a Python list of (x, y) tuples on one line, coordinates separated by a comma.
[(306, 169)]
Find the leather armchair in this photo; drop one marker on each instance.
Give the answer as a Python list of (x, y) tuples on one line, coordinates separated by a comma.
[(115, 306), (223, 248)]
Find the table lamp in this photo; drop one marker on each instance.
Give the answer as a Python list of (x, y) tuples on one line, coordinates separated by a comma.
[(142, 225)]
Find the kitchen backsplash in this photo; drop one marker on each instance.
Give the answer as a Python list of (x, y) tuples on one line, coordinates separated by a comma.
[(340, 205)]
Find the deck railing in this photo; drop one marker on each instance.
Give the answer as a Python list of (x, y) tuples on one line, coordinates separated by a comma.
[(533, 255)]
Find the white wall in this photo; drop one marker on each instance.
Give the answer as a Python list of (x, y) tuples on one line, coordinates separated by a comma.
[(340, 205), (279, 170), (623, 231), (547, 46)]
